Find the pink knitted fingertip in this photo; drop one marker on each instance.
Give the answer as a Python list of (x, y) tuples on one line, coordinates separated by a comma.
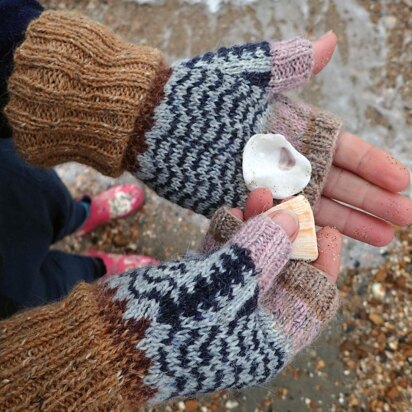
[(292, 62), (269, 247)]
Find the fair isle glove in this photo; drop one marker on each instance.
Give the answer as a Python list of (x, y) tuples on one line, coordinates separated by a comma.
[(204, 323), (77, 92)]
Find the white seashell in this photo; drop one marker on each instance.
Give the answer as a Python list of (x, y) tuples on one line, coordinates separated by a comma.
[(270, 161), (305, 246)]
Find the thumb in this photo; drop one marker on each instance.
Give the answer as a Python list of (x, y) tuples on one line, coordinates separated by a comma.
[(288, 221), (323, 49)]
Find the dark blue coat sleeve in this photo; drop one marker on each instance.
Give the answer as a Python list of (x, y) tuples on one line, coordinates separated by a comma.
[(15, 16)]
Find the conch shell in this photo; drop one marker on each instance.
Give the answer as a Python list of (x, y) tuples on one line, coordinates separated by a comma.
[(305, 246), (270, 161)]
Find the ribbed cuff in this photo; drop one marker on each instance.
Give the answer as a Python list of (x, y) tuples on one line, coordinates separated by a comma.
[(292, 64), (269, 247), (312, 132), (69, 354), (302, 301), (79, 93)]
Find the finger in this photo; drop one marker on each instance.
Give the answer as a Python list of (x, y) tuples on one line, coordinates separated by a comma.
[(323, 49), (258, 201), (288, 221), (352, 223), (355, 191), (371, 163), (236, 213), (330, 250)]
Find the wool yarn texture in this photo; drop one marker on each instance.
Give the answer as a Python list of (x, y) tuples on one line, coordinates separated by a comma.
[(223, 319), (78, 92)]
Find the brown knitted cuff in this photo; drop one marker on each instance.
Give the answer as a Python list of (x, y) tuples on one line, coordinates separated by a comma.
[(313, 132), (78, 92), (222, 227), (70, 354)]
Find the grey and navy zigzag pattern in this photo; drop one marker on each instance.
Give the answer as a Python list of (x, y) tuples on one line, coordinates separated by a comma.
[(212, 105), (207, 330)]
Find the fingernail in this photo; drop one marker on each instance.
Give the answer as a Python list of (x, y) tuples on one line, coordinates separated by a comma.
[(288, 220), (326, 34)]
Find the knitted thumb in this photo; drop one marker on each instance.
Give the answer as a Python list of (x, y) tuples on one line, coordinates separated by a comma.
[(222, 227), (268, 245)]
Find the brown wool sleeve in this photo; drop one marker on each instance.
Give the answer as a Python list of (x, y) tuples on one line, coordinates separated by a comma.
[(71, 355), (80, 93)]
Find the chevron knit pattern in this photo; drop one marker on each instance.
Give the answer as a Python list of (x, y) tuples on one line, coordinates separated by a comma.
[(212, 105)]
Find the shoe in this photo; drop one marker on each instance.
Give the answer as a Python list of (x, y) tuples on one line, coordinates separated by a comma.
[(116, 264), (115, 203)]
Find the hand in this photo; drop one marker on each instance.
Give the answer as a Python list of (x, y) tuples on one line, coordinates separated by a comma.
[(329, 239), (364, 177)]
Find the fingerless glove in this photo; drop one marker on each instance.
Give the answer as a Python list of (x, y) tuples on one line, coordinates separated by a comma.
[(77, 92), (224, 319)]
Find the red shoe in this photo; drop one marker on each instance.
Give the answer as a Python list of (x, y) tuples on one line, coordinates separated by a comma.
[(116, 264), (117, 202)]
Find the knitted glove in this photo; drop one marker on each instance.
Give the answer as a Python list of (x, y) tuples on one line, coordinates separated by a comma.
[(77, 92), (205, 323)]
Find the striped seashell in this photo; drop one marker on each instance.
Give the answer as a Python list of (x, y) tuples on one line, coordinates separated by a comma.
[(305, 246)]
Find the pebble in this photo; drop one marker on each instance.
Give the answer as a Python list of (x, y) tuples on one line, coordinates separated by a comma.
[(390, 21), (375, 318), (320, 364), (393, 345), (392, 393), (191, 405), (378, 291), (231, 404)]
